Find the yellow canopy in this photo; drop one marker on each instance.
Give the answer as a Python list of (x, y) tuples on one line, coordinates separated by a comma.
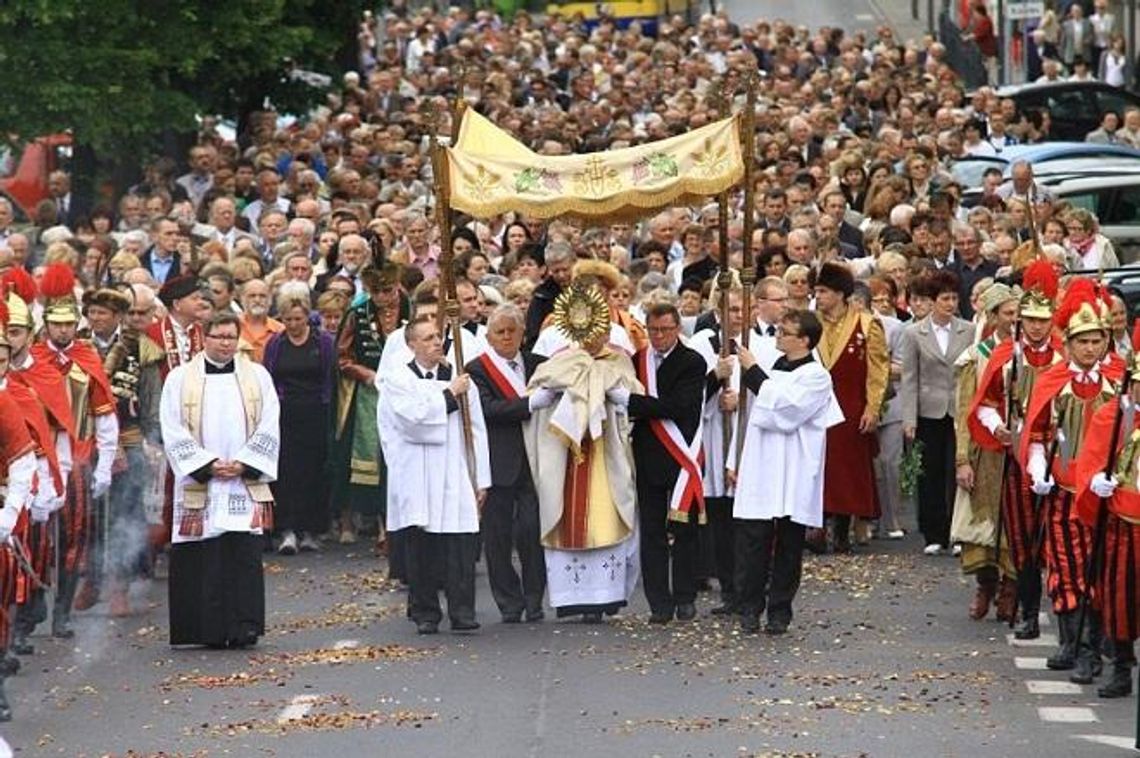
[(490, 172)]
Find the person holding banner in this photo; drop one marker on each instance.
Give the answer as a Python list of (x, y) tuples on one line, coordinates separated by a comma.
[(666, 451)]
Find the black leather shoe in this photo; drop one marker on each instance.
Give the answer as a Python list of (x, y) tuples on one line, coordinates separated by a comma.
[(686, 612), (533, 616), (592, 617), (1028, 628), (464, 626), (660, 617), (62, 631), (21, 646), (776, 627), (750, 624), (512, 618), (427, 627)]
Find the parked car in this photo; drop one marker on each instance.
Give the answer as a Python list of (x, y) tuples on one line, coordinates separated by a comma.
[(1075, 108), (1047, 158), (1115, 200)]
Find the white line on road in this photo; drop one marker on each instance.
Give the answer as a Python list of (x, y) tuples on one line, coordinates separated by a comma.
[(1125, 743), (1067, 715), (298, 707), (864, 17), (1045, 640), (1052, 687), (1030, 664), (346, 644), (5, 750)]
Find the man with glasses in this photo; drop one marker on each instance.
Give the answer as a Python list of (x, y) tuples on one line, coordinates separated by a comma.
[(779, 481), (969, 266), (219, 416), (666, 443)]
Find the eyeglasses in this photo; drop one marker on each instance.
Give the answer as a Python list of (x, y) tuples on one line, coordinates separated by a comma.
[(134, 312)]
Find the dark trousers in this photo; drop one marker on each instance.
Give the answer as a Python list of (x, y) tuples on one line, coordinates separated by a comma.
[(440, 560), (720, 529), (510, 523), (934, 500), (656, 552), (769, 563)]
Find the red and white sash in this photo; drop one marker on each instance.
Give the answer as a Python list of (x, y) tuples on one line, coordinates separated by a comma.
[(505, 380), (688, 490)]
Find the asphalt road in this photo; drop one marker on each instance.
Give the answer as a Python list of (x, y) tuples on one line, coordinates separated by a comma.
[(881, 661)]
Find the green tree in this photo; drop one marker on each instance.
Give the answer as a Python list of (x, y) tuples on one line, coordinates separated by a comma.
[(119, 73)]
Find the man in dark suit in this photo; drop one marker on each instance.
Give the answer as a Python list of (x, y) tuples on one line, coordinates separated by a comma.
[(510, 515), (161, 259), (666, 442)]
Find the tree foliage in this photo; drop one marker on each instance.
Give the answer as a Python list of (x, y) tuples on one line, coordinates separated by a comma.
[(119, 72)]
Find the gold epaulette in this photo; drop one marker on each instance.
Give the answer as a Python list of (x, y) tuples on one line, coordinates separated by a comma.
[(149, 351)]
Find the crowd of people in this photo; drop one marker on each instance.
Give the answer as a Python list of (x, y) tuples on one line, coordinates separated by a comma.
[(918, 351)]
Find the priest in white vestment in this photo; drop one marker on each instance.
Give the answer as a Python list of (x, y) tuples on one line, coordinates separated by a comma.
[(582, 465), (433, 492), (779, 477), (219, 416)]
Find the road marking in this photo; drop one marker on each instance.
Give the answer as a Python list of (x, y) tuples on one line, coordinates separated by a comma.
[(1030, 664), (5, 750), (345, 644), (1067, 715), (297, 709), (1052, 687), (1126, 743), (1045, 640), (864, 17)]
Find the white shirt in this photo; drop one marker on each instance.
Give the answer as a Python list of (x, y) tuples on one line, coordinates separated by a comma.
[(942, 335)]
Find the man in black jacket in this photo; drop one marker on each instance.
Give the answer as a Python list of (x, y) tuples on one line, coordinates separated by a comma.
[(510, 515), (666, 442), (559, 261)]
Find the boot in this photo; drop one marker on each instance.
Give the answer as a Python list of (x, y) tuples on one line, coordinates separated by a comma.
[(1029, 628), (87, 597), (1089, 662), (1065, 657), (1006, 600), (1120, 683), (61, 614), (20, 644), (120, 605), (5, 709), (983, 596)]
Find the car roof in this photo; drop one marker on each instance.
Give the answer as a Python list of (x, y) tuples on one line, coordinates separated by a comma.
[(1014, 89), (1046, 151), (1078, 183)]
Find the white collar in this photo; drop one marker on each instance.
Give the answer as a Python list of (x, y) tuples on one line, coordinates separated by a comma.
[(424, 370)]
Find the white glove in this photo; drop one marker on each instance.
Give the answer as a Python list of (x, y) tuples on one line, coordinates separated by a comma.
[(543, 397), (101, 485), (618, 396), (8, 517), (1103, 486), (41, 513), (1042, 486)]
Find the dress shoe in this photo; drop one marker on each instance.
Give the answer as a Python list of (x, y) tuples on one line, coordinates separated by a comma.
[(512, 618), (9, 666), (1029, 628), (660, 617), (309, 544), (464, 626), (62, 630), (21, 646), (427, 627), (726, 609), (896, 534), (750, 624), (932, 549), (535, 616), (288, 544), (592, 617), (816, 541), (776, 627), (983, 596), (686, 612), (1006, 604)]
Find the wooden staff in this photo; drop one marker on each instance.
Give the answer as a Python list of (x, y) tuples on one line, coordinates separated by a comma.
[(724, 286), (748, 281), (449, 313)]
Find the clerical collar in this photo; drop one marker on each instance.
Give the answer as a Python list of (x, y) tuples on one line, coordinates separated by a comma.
[(214, 367), (784, 364), (424, 371)]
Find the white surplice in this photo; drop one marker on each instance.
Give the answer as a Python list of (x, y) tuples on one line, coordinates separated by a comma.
[(429, 485), (781, 469), (229, 506)]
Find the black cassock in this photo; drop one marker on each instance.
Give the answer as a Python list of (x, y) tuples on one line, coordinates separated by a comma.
[(217, 591)]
